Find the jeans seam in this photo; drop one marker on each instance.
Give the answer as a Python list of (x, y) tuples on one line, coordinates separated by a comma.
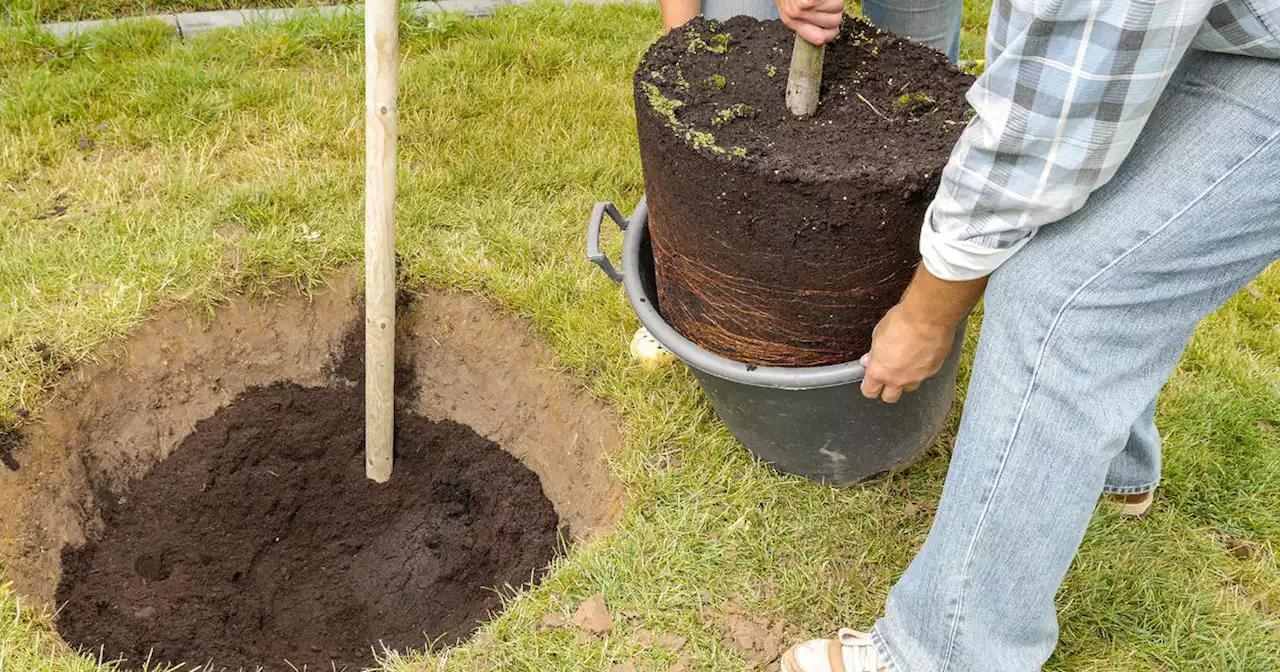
[(1035, 374), (882, 652), (1263, 17), (1130, 489)]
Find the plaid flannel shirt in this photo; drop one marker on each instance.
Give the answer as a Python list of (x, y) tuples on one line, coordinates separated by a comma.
[(1068, 86)]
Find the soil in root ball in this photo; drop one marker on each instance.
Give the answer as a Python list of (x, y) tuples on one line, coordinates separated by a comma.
[(781, 240)]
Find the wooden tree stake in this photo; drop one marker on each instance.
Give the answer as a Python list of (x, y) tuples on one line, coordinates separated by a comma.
[(381, 44), (804, 81)]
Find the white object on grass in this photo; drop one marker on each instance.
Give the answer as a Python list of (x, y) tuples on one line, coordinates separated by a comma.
[(648, 352)]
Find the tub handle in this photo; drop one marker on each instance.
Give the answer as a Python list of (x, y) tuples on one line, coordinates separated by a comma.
[(594, 254)]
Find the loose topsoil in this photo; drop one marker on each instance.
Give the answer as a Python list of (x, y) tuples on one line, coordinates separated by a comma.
[(260, 541), (781, 240)]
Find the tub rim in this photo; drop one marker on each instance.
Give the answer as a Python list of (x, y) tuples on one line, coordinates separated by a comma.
[(636, 233)]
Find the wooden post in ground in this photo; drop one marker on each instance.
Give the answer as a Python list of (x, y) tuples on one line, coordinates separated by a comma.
[(381, 44), (804, 80)]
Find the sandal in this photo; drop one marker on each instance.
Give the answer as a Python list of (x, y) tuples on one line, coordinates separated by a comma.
[(1133, 506), (851, 651)]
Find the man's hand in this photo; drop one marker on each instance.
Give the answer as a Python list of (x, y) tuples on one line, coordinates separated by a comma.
[(817, 21), (904, 353), (914, 338)]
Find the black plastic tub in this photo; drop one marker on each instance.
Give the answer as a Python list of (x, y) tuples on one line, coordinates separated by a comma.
[(809, 421)]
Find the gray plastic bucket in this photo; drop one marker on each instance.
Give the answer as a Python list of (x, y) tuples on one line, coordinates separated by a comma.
[(809, 421)]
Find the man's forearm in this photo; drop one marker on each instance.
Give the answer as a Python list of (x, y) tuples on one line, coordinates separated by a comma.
[(676, 13), (990, 201), (945, 303)]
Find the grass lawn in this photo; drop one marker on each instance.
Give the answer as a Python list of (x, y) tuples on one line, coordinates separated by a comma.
[(127, 157), (45, 11)]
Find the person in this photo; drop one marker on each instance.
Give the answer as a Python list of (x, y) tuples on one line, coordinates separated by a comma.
[(1117, 184)]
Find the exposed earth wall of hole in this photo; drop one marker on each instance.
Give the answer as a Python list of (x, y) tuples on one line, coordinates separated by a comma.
[(112, 422)]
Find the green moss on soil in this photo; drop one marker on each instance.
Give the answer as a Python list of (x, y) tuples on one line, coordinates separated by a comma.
[(718, 44), (661, 104), (703, 140), (697, 139), (717, 81), (735, 111), (682, 84), (914, 104)]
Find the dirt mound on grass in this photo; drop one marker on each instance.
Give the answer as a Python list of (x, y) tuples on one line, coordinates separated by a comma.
[(261, 541)]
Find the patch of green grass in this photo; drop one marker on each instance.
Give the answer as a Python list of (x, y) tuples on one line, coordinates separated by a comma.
[(44, 11), (973, 29), (28, 643), (141, 171)]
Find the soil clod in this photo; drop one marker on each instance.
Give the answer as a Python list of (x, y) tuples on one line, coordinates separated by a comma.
[(552, 621), (672, 642), (1242, 548), (593, 616), (756, 641)]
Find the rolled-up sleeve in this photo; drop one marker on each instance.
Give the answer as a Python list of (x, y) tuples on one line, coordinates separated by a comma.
[(1067, 88)]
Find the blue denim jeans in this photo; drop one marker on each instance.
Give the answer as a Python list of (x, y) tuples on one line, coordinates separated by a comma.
[(1082, 328), (932, 22)]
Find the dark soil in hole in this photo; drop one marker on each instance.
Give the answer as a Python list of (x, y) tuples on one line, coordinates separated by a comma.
[(8, 442), (780, 240), (260, 540)]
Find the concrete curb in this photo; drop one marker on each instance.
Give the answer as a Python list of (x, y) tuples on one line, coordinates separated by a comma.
[(193, 23)]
